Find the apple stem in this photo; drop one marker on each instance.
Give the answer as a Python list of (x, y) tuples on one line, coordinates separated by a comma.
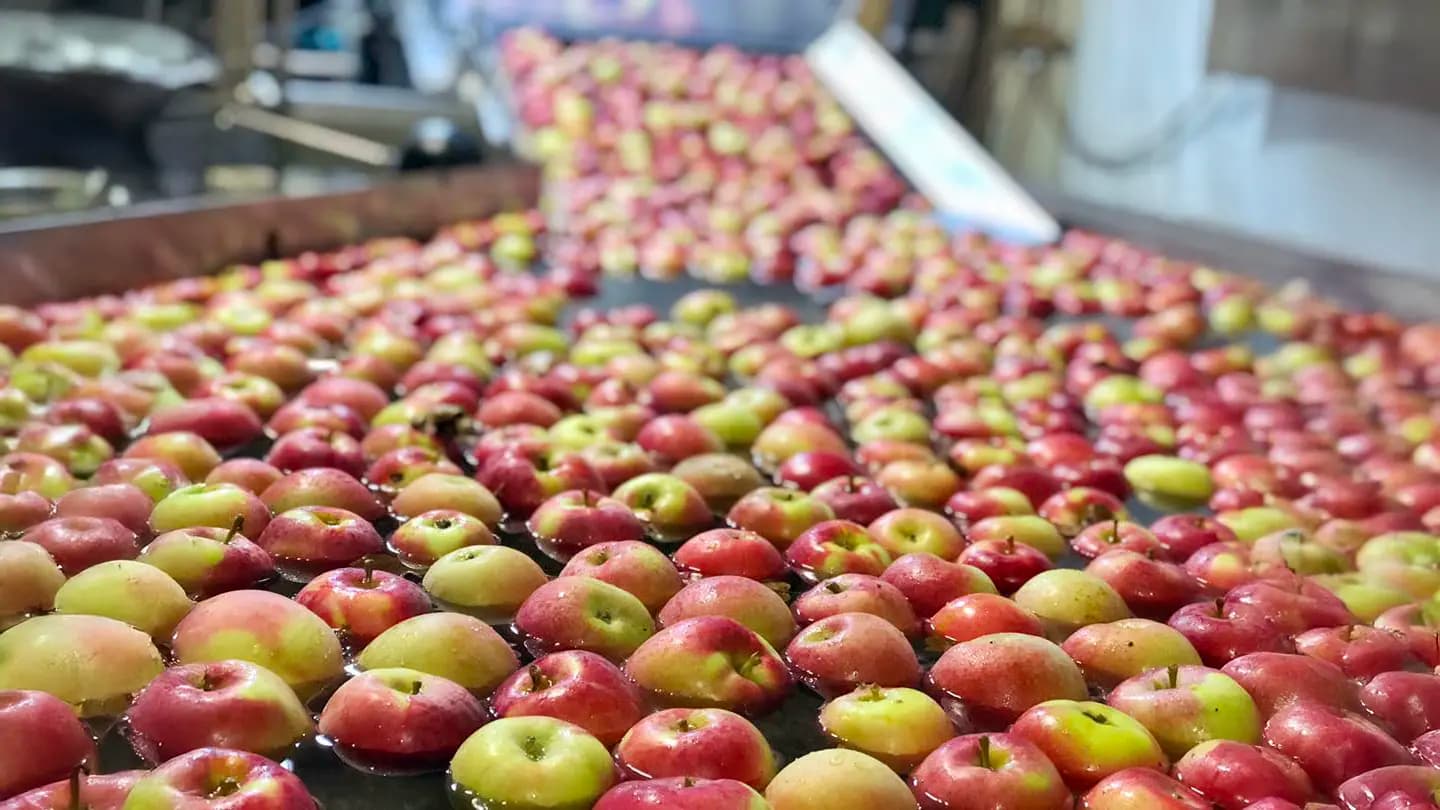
[(368, 566), (985, 752), (1010, 544), (235, 528), (850, 483), (1174, 672), (589, 498), (75, 784)]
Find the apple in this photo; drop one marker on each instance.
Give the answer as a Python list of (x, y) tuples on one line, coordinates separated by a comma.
[(1332, 745), (572, 521), (847, 650), (400, 718), (190, 454), (782, 439), (1407, 702), (206, 561), (575, 686), (857, 593), (1183, 706), (140, 595), (107, 792), (903, 531), (1032, 530), (428, 536), (744, 600), (125, 503), (219, 778), (720, 478), (581, 613), (1141, 787), (838, 778), (855, 498), (1149, 586), (974, 505), (697, 743), (213, 505), (999, 770), (1007, 563), (29, 579), (1182, 535), (321, 486), (453, 646), (1361, 652), (531, 762), (224, 423), (997, 677), (41, 741), (834, 547), (1117, 651), (670, 506), (1066, 600), (1293, 602), (898, 726), (683, 793), (155, 477), (313, 539), (638, 568), (1089, 741), (489, 582), (236, 704), (21, 510), (1276, 680), (1235, 775), (361, 603), (90, 662), (929, 582), (710, 661), (778, 515), (617, 462), (77, 543), (1396, 786), (733, 552), (1221, 632), (980, 614), (262, 628), (1115, 535)]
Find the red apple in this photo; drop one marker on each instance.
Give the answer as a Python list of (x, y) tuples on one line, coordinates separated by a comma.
[(994, 770), (575, 686), (41, 741), (239, 704), (400, 717), (362, 603), (697, 743), (1331, 745)]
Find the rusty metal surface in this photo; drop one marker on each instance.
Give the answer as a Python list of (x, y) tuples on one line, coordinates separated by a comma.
[(112, 251)]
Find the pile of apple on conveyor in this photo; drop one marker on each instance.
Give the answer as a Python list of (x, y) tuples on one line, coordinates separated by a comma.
[(748, 515)]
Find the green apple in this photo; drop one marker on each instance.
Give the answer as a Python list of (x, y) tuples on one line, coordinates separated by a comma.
[(735, 423), (1253, 522), (140, 595), (454, 646), (91, 662), (1169, 482), (488, 582), (1365, 597), (531, 763), (892, 423), (1066, 600), (1409, 561), (897, 726)]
